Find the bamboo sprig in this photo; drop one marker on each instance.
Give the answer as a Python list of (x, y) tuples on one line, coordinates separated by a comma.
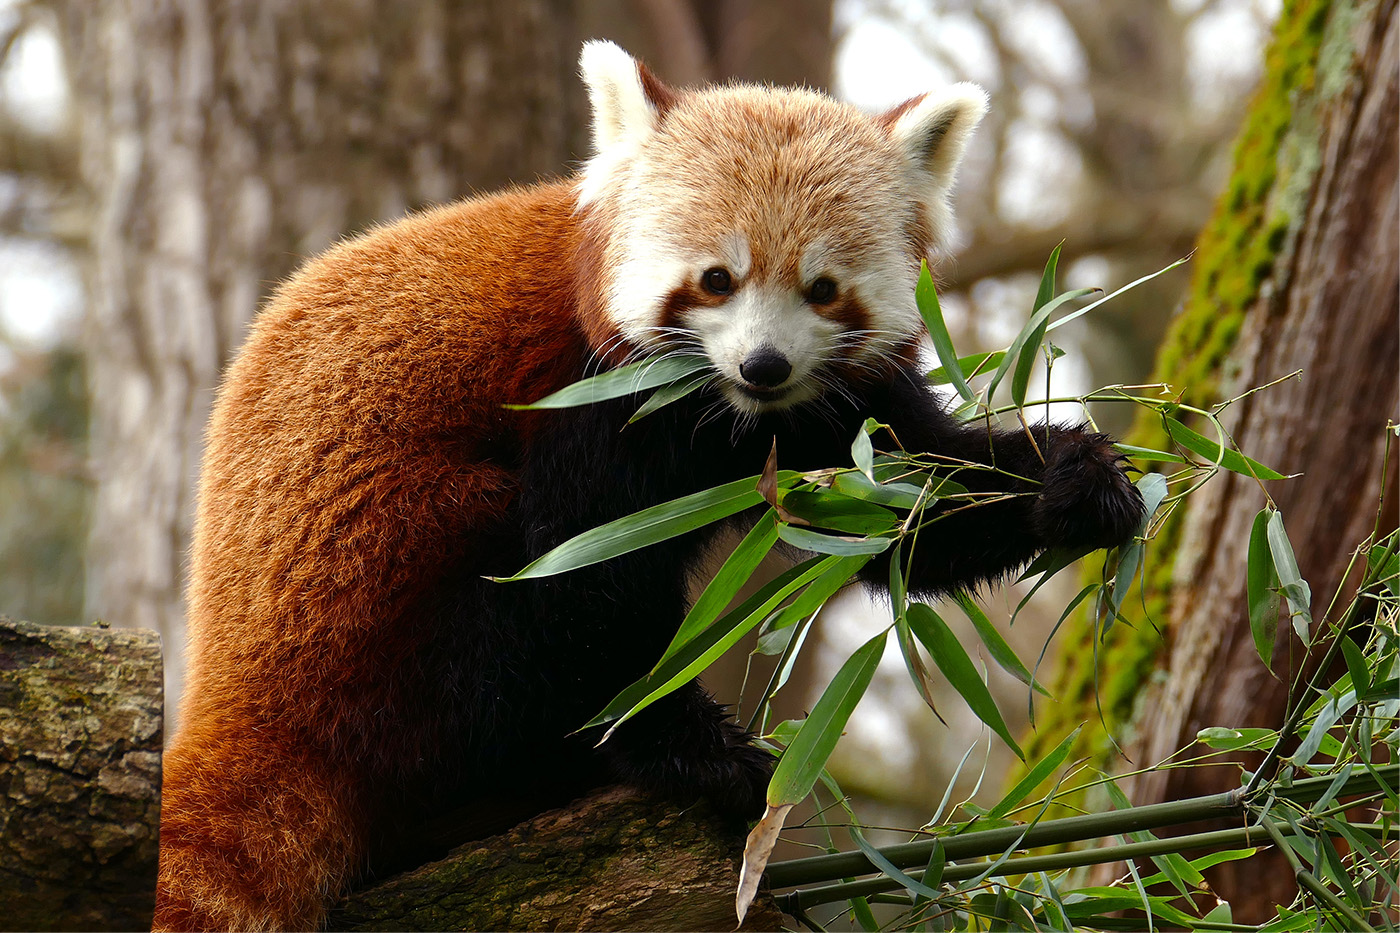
[(991, 842)]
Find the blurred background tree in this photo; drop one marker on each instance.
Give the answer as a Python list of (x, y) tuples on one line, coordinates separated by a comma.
[(196, 152)]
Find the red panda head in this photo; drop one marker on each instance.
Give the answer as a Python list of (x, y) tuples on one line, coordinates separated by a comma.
[(775, 230)]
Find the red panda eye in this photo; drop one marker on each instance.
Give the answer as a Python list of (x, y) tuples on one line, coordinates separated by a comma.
[(717, 281), (823, 291)]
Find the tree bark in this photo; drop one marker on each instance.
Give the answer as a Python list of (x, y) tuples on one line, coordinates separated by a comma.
[(224, 142), (615, 860), (80, 742), (1325, 303)]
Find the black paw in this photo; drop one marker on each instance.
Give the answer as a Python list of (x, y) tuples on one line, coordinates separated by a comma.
[(689, 748), (737, 779), (1086, 499)]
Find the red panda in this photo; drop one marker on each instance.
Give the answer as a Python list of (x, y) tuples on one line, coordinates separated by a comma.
[(351, 672)]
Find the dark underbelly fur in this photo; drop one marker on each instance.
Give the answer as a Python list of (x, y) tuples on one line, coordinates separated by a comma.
[(517, 667)]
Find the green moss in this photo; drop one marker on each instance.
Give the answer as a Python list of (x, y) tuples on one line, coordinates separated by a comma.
[(1251, 229)]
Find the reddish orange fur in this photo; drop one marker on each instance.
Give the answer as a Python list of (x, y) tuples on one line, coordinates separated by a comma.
[(318, 521)]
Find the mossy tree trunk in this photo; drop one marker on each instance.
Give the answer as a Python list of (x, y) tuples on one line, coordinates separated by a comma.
[(1296, 271)]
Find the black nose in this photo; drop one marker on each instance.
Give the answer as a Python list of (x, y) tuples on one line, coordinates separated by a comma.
[(766, 368)]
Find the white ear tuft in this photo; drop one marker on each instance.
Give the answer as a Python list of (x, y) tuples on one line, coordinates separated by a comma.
[(933, 130), (622, 109)]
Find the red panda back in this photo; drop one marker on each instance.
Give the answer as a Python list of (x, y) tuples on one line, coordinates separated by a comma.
[(357, 442)]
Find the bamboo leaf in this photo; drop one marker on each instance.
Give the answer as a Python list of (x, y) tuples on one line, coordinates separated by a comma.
[(877, 858), (757, 849), (726, 583), (1109, 297), (862, 453), (1356, 665), (695, 654), (649, 526), (1033, 778), (626, 380), (1000, 651), (970, 365), (1291, 583), (926, 296), (1231, 460), (1147, 453), (1231, 740), (893, 494), (1262, 588), (823, 508), (1021, 346), (1335, 708), (810, 540), (804, 759), (667, 394), (958, 668)]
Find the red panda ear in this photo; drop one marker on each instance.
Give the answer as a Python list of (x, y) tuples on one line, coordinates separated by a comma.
[(628, 100), (933, 129)]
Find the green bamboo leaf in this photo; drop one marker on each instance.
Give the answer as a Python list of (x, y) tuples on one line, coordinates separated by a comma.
[(1026, 358), (1022, 345), (1153, 489), (673, 392), (1334, 710), (958, 668), (878, 859), (804, 759), (1148, 454), (1231, 460), (1199, 865), (649, 526), (692, 657), (898, 593), (1368, 846), (1034, 777), (1048, 564), (914, 664), (1109, 297), (1390, 574), (1231, 740), (1129, 563), (824, 508), (970, 365), (626, 380), (859, 486), (862, 453), (837, 573), (1356, 665), (726, 583), (810, 540), (1291, 583), (1261, 585), (1000, 651), (926, 296)]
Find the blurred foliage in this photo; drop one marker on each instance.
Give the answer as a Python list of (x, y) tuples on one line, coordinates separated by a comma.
[(43, 485)]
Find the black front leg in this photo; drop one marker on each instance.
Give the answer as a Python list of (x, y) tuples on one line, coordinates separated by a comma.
[(1064, 486)]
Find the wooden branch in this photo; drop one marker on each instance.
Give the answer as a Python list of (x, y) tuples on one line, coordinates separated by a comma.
[(80, 740), (615, 860)]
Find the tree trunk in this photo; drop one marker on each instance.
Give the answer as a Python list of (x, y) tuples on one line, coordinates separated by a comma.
[(80, 736), (224, 142), (1304, 251)]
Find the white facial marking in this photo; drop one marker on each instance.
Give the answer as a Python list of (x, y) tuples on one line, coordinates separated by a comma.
[(764, 315), (734, 255)]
